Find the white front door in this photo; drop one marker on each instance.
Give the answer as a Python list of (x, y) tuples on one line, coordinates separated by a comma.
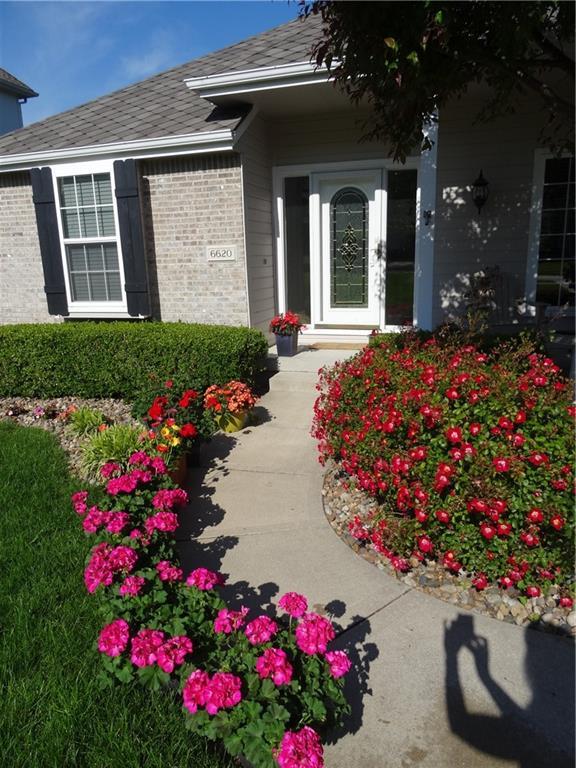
[(350, 244)]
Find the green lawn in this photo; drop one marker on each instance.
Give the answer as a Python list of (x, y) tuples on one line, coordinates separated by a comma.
[(52, 712)]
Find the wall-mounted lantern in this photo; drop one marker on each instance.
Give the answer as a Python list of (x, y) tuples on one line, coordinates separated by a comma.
[(480, 191), (427, 216)]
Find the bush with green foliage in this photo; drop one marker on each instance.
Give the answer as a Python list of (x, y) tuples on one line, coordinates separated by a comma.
[(101, 359), (116, 443), (84, 421)]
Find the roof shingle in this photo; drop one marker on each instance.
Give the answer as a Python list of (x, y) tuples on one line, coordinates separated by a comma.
[(11, 84), (162, 105)]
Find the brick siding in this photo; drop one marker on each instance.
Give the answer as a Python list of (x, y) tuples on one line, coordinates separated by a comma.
[(188, 204), (22, 297)]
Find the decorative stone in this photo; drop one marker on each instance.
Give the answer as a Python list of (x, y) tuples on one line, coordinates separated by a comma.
[(571, 619)]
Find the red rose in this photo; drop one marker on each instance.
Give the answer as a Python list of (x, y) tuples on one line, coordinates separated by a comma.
[(454, 435), (537, 459), (425, 544), (533, 591), (480, 581), (557, 522), (501, 465), (535, 515), (475, 429), (566, 602), (506, 582), (442, 516), (187, 396), (487, 530), (504, 529), (188, 430)]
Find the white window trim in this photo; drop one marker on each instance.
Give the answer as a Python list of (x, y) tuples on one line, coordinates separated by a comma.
[(540, 157), (424, 254), (90, 309)]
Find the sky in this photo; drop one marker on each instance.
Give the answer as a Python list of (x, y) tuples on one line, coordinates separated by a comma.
[(72, 52)]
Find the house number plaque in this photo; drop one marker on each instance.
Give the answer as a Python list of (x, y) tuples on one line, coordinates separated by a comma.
[(221, 253)]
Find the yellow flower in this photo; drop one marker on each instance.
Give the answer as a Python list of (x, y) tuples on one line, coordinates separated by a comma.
[(165, 432), (175, 441), (175, 428)]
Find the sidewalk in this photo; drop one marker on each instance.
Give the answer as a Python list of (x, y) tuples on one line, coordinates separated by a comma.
[(433, 686)]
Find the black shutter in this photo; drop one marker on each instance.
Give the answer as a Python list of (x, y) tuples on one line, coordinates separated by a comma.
[(131, 238), (49, 239)]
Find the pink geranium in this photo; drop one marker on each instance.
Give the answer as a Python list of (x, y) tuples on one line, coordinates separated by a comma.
[(168, 572), (300, 749), (260, 630), (173, 652), (167, 522), (314, 633), (339, 663), (223, 692), (274, 664), (132, 585), (98, 571), (294, 604), (204, 579), (145, 647), (228, 621), (122, 558), (94, 519), (194, 691), (114, 637), (79, 502), (117, 521), (167, 498), (110, 468)]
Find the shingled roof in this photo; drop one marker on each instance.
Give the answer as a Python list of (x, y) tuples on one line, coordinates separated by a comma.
[(162, 105), (11, 84)]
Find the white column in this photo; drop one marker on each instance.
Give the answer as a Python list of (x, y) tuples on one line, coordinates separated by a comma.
[(425, 212)]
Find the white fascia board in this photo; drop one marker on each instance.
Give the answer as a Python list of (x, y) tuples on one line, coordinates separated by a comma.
[(260, 79), (163, 146)]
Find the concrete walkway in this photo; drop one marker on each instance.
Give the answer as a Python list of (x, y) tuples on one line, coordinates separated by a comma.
[(433, 686)]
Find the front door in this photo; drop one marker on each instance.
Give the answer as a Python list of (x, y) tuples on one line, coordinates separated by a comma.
[(350, 248)]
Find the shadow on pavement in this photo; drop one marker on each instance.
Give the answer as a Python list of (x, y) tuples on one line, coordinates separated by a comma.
[(540, 735)]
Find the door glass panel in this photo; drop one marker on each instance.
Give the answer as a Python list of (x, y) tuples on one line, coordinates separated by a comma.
[(296, 202), (349, 249), (400, 247)]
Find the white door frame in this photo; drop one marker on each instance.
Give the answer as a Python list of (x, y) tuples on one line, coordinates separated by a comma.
[(424, 256)]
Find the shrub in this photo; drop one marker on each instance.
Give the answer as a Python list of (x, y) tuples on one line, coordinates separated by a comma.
[(83, 421), (468, 453), (114, 444), (91, 359)]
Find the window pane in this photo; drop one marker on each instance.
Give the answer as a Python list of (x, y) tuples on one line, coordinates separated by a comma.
[(551, 246), (349, 257), (94, 258), (84, 190), (554, 196), (296, 196), (110, 256), (553, 222), (88, 225), (106, 222), (67, 193), (76, 258), (557, 170), (103, 189), (70, 223), (114, 289), (79, 285), (97, 286), (400, 247)]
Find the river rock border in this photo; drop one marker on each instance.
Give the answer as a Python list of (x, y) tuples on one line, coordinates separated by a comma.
[(341, 501)]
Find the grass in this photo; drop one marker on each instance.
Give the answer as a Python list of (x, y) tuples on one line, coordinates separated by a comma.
[(53, 713)]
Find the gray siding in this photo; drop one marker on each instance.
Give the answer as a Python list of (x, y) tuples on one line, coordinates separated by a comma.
[(258, 221), (466, 241)]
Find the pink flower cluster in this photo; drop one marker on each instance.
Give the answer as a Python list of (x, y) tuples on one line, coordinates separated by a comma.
[(221, 691), (105, 562), (260, 630), (155, 463), (300, 749), (166, 522), (339, 663), (204, 579), (167, 498), (313, 633), (168, 572), (294, 604), (114, 637), (109, 469), (132, 585), (274, 664), (150, 647), (228, 621), (96, 518), (129, 482), (79, 502)]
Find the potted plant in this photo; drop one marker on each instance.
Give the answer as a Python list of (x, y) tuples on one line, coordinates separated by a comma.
[(230, 405), (286, 327)]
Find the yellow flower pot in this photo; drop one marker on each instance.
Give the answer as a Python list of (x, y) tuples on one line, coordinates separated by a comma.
[(232, 422)]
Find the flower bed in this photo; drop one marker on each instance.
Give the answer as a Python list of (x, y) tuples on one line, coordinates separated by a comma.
[(257, 683), (468, 454)]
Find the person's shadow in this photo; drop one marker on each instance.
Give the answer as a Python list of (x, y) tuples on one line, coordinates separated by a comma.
[(540, 735)]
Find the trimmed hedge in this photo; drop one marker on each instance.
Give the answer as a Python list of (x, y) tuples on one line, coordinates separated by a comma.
[(91, 359)]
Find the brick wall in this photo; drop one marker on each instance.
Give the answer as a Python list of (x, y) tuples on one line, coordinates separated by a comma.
[(22, 297), (188, 204)]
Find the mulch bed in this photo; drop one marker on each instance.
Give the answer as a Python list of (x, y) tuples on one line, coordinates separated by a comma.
[(50, 415), (342, 501)]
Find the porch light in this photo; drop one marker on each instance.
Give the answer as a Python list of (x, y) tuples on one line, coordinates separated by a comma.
[(480, 191)]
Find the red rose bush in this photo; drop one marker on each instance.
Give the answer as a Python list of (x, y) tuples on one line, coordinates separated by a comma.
[(469, 455)]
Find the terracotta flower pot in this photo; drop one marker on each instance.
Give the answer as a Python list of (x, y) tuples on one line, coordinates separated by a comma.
[(178, 473)]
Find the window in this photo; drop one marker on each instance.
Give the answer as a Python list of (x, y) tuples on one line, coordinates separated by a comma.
[(400, 247), (349, 248), (90, 242), (555, 275), (297, 234)]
